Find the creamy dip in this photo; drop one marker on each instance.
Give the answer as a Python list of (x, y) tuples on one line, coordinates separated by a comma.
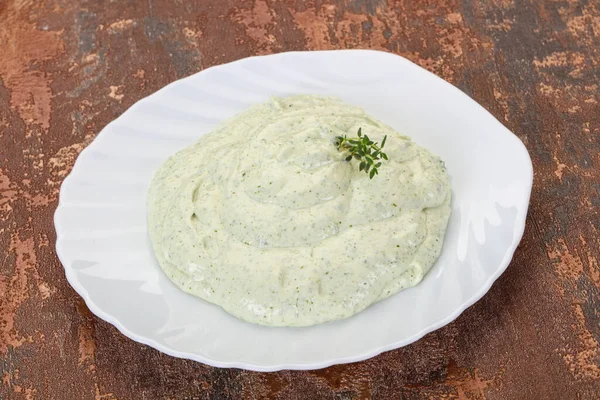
[(264, 217)]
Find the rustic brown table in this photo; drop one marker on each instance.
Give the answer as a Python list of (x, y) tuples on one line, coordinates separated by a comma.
[(67, 68)]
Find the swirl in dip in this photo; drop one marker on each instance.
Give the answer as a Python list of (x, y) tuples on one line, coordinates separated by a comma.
[(264, 217)]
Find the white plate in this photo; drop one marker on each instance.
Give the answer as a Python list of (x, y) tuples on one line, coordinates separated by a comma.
[(101, 218)]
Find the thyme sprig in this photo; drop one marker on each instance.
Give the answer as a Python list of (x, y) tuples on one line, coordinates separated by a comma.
[(364, 150)]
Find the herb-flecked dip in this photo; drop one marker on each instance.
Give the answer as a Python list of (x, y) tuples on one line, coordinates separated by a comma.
[(267, 218)]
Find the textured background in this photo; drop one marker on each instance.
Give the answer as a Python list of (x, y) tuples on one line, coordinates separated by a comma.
[(68, 67)]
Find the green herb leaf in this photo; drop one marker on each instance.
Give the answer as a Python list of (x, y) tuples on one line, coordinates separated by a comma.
[(364, 150)]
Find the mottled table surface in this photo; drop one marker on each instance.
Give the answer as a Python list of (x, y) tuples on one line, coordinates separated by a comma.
[(68, 67)]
